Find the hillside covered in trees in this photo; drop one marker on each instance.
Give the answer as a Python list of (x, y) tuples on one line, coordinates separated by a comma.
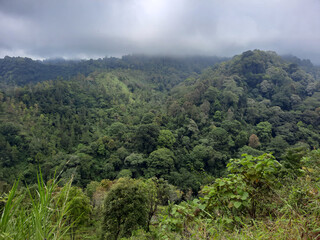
[(170, 123), (141, 116)]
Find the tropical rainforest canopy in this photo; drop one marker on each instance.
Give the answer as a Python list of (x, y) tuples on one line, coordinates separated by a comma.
[(159, 129)]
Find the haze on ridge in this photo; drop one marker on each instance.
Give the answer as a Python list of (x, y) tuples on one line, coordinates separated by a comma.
[(75, 29)]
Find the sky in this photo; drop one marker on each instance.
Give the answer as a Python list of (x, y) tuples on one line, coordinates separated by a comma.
[(97, 28)]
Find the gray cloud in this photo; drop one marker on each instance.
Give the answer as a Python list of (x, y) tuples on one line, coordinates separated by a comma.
[(97, 28)]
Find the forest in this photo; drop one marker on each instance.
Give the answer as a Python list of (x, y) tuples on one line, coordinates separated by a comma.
[(144, 147)]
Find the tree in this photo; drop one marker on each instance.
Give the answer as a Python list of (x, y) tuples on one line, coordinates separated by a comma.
[(277, 145), (126, 209), (241, 139), (264, 130), (212, 94), (91, 188), (205, 107), (254, 141), (220, 139), (161, 163), (266, 88), (217, 116), (136, 162), (79, 209), (124, 173), (292, 158), (146, 137), (166, 139), (118, 130), (200, 156)]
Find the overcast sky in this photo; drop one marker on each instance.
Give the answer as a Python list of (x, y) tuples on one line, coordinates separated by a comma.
[(98, 28)]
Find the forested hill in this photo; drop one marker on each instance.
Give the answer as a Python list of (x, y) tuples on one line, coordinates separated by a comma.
[(21, 71), (180, 119)]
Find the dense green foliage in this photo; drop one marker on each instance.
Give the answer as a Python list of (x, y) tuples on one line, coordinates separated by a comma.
[(258, 199), (183, 123), (249, 203), (143, 116), (126, 208)]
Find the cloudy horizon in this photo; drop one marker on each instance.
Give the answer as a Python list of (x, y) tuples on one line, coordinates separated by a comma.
[(95, 28)]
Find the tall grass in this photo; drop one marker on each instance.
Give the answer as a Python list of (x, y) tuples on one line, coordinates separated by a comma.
[(8, 213), (36, 217)]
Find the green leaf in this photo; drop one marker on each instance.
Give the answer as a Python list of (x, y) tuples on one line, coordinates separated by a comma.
[(237, 204), (233, 196), (245, 196), (228, 220), (221, 183), (202, 207)]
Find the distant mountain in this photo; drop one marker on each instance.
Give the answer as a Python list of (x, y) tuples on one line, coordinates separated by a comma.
[(21, 71)]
